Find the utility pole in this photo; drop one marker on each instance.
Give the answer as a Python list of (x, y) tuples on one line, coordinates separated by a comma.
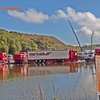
[(75, 35), (92, 38)]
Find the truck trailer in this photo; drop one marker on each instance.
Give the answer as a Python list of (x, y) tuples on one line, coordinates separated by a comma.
[(52, 56)]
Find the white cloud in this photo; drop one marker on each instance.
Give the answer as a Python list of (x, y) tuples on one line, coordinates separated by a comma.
[(60, 14), (31, 16), (86, 20), (85, 31)]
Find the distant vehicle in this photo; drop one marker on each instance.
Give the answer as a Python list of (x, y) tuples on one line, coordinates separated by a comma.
[(89, 54), (10, 57), (97, 51), (21, 57), (3, 57)]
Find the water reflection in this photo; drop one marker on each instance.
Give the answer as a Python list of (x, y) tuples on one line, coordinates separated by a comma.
[(12, 71), (75, 81), (4, 71)]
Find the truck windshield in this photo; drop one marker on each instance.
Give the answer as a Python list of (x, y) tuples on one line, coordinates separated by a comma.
[(91, 52), (5, 55)]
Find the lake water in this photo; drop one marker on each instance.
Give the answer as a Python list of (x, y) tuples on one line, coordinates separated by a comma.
[(64, 82)]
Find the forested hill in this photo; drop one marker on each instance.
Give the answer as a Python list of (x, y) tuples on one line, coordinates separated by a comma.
[(13, 42)]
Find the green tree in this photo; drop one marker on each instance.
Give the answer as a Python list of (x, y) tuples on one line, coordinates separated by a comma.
[(12, 49)]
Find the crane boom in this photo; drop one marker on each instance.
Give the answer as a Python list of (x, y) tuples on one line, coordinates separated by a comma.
[(75, 35)]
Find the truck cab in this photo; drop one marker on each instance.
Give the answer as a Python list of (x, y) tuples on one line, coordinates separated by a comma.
[(73, 55), (97, 51), (3, 57), (21, 57)]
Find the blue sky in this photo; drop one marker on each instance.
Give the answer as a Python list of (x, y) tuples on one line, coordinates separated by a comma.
[(50, 17)]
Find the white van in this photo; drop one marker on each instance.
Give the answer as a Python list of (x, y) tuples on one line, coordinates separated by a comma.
[(88, 54)]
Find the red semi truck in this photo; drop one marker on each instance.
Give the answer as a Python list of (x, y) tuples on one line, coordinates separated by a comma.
[(3, 57), (52, 56), (21, 57)]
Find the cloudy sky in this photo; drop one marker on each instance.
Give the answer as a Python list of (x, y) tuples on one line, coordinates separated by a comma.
[(50, 17)]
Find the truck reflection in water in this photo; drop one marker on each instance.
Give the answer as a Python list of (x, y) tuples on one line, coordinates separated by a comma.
[(20, 70), (70, 68), (14, 71), (4, 71)]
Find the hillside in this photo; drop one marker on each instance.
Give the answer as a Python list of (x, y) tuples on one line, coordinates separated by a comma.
[(13, 42)]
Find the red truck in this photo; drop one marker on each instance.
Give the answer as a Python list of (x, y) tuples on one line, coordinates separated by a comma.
[(3, 57), (97, 51), (21, 57), (52, 56)]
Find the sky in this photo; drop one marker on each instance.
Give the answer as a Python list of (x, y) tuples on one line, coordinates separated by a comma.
[(50, 18)]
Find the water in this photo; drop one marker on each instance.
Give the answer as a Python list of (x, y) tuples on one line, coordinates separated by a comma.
[(67, 82)]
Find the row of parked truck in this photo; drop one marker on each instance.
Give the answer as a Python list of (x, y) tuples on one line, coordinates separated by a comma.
[(50, 56), (46, 57)]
